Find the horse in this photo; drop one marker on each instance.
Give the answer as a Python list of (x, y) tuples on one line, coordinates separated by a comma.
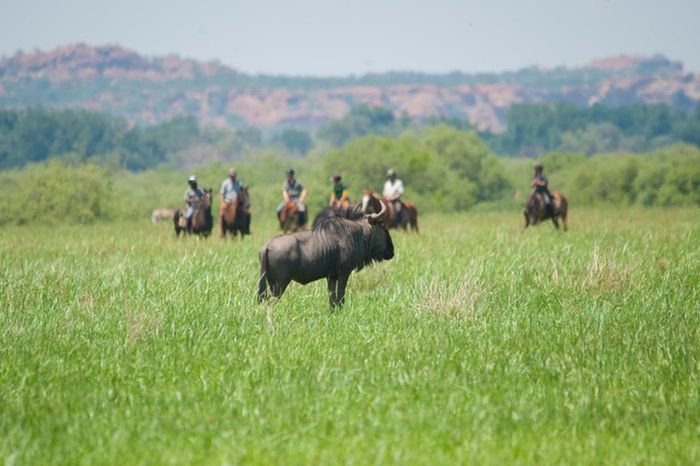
[(406, 217), (291, 218), (235, 216), (536, 210), (201, 222)]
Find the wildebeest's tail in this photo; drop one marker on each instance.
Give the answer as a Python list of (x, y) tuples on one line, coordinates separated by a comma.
[(264, 271)]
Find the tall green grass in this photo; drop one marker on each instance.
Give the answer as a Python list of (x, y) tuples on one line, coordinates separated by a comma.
[(478, 344)]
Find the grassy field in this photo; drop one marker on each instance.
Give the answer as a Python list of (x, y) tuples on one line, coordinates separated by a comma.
[(476, 344)]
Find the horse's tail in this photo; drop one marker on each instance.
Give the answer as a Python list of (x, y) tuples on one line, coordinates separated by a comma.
[(176, 221), (563, 209), (264, 274)]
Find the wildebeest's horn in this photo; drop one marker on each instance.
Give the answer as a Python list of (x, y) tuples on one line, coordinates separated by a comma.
[(380, 214)]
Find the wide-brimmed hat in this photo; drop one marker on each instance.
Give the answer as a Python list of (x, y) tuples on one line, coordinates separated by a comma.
[(232, 171), (538, 166), (390, 172), (192, 179)]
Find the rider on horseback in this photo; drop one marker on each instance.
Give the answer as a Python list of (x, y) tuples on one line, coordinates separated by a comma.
[(295, 191), (339, 193), (230, 188), (193, 198), (539, 182), (393, 189), (228, 194)]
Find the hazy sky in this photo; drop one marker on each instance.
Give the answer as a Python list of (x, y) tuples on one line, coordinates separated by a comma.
[(332, 37)]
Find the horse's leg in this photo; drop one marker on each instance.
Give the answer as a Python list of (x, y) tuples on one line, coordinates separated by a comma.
[(555, 221), (414, 222), (332, 286), (527, 220)]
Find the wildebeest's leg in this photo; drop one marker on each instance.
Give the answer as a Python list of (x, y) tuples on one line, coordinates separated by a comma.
[(342, 283), (332, 285), (264, 271), (277, 288)]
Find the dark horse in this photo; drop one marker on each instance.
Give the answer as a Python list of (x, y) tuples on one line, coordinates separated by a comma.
[(407, 216), (291, 218), (536, 210), (235, 216), (201, 222)]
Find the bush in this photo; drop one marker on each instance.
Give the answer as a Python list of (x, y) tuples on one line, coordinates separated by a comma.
[(55, 192)]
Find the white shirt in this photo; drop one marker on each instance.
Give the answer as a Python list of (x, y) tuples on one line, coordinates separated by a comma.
[(392, 189)]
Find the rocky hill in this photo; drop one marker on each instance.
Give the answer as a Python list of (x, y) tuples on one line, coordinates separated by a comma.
[(148, 90)]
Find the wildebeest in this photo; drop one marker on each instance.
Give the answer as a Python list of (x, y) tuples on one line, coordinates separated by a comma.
[(291, 218), (161, 214), (344, 241), (202, 221), (408, 216), (536, 209), (235, 216)]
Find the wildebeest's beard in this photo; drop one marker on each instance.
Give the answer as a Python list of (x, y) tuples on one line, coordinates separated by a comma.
[(381, 247), (389, 250)]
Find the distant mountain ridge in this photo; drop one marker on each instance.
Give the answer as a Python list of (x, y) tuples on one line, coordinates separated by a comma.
[(122, 82)]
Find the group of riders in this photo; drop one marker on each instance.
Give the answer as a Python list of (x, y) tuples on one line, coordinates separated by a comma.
[(294, 190)]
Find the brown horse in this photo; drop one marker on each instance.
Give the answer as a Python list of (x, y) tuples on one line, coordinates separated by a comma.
[(235, 216), (407, 216), (536, 210), (291, 218), (201, 222)]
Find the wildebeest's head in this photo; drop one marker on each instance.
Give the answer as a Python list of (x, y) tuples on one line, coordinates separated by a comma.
[(380, 245)]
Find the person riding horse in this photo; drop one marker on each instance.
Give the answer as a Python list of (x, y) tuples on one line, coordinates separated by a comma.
[(229, 193), (540, 184), (293, 190), (339, 193), (393, 189), (193, 198)]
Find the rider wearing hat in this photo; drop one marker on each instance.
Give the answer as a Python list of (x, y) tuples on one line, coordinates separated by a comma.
[(339, 193), (393, 189), (230, 188), (295, 191), (193, 197)]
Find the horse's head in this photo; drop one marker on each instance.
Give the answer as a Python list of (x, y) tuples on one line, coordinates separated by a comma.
[(371, 202), (206, 200), (244, 199)]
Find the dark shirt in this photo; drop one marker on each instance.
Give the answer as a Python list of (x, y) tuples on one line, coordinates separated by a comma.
[(294, 189), (541, 189)]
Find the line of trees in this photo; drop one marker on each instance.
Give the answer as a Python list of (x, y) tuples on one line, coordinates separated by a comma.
[(533, 129), (37, 134)]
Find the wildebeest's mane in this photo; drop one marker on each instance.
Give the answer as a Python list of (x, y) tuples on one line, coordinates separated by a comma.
[(344, 223), (353, 212)]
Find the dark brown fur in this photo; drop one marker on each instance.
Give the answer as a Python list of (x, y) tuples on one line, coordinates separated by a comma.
[(536, 211), (290, 217), (236, 216), (202, 220)]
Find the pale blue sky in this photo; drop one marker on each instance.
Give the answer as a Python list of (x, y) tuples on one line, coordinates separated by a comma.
[(331, 37)]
